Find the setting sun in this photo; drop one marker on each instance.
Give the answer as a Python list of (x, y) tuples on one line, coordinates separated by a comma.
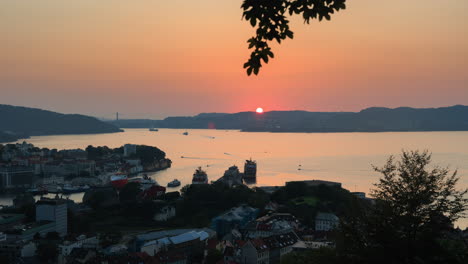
[(259, 110)]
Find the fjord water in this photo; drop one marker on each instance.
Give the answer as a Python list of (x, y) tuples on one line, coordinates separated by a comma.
[(342, 157)]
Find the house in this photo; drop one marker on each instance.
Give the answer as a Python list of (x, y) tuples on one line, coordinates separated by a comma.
[(255, 251), (271, 224), (234, 218), (326, 222), (280, 245)]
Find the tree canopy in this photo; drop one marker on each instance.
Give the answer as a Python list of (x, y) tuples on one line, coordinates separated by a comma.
[(269, 17), (412, 220)]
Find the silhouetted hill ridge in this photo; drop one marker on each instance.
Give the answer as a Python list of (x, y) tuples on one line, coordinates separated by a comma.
[(22, 122), (373, 119)]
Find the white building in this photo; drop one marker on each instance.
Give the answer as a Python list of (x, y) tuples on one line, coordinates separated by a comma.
[(53, 210), (326, 222)]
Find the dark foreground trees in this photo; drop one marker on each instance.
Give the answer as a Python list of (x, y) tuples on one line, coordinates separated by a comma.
[(269, 19), (411, 221)]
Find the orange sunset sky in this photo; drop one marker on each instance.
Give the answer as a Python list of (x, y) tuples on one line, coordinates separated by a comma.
[(152, 59)]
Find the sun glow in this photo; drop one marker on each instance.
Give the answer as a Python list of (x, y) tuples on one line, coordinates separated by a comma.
[(259, 110)]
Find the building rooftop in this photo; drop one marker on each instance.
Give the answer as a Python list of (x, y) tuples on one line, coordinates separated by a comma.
[(10, 218), (189, 236), (326, 217), (170, 233), (237, 213), (51, 201)]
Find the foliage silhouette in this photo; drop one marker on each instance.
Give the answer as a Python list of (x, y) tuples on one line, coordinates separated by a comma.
[(269, 19)]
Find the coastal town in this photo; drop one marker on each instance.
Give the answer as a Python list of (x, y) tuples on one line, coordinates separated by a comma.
[(125, 218), (24, 167), (242, 234)]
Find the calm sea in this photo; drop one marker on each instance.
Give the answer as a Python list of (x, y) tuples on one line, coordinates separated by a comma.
[(342, 157)]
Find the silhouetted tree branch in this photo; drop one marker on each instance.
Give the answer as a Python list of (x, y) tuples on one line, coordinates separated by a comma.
[(269, 18)]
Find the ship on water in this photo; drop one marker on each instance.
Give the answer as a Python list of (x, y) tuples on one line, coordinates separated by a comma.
[(231, 177), (119, 180), (145, 182), (173, 183), (250, 169), (200, 177)]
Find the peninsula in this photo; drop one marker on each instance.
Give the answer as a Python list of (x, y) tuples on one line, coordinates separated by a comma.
[(22, 122)]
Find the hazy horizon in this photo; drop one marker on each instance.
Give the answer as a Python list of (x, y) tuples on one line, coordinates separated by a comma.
[(153, 59), (149, 116)]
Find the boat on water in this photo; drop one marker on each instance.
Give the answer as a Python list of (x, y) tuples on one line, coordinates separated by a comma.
[(231, 177), (152, 129), (174, 183), (250, 169), (54, 188), (145, 181), (185, 133), (119, 180), (200, 177)]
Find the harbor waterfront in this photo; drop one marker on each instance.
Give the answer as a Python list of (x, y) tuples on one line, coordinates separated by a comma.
[(281, 157)]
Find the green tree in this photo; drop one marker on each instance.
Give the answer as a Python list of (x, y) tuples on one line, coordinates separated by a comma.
[(148, 154), (412, 220), (269, 17)]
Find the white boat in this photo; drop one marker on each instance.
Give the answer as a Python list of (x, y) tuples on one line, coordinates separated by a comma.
[(174, 183), (145, 181)]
